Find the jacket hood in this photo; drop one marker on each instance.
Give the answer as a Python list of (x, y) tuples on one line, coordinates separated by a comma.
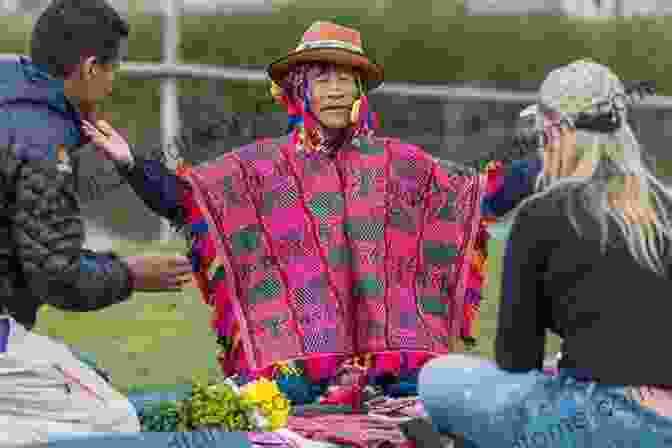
[(23, 82)]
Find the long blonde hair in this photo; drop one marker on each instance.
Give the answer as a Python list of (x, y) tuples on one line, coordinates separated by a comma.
[(609, 177)]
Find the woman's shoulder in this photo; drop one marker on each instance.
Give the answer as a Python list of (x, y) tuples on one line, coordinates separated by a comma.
[(554, 206)]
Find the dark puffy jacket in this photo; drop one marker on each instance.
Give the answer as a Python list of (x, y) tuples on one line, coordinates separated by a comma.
[(41, 230)]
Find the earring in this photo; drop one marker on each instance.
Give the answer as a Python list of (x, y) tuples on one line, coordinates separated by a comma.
[(354, 115), (357, 105), (277, 93)]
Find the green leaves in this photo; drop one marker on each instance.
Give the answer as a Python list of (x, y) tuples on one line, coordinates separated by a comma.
[(208, 406), (215, 406), (162, 417)]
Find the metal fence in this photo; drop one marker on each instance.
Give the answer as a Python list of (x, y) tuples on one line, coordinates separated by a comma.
[(452, 121), (437, 91), (170, 70)]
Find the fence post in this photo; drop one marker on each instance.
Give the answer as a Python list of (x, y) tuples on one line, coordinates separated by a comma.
[(170, 115), (10, 6)]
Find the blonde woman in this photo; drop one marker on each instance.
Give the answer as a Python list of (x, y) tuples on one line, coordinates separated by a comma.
[(588, 259)]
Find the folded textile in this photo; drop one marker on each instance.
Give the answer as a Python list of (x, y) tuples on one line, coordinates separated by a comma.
[(397, 409), (302, 442), (321, 409), (270, 439), (359, 431)]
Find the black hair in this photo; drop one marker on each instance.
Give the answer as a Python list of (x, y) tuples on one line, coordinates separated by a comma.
[(70, 30)]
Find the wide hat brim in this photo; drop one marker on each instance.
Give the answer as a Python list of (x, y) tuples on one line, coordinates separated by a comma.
[(372, 73)]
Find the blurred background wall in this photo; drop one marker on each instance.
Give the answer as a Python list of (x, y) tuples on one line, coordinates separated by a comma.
[(494, 44)]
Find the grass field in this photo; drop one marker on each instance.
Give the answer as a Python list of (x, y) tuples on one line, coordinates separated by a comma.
[(158, 340)]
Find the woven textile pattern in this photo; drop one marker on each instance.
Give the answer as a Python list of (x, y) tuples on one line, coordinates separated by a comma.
[(305, 256)]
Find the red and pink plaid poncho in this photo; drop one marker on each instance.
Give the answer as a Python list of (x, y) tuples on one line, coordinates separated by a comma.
[(377, 251)]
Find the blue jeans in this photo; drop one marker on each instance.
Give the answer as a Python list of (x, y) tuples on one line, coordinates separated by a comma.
[(492, 408)]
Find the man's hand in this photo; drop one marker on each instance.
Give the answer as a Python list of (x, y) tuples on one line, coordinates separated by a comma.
[(108, 141), (155, 273)]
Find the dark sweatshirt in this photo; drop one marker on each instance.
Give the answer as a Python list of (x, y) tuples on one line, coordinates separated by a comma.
[(611, 312)]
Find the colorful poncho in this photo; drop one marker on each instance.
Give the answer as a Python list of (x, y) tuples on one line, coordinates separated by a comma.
[(377, 252)]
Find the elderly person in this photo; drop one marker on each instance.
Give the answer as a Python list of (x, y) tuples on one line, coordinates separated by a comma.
[(594, 238), (331, 248)]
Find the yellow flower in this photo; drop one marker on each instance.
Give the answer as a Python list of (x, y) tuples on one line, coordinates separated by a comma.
[(260, 390), (269, 400), (278, 420)]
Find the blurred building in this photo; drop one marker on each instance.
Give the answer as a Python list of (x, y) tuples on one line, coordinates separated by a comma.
[(574, 8)]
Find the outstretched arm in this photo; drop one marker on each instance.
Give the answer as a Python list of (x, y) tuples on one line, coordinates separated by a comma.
[(164, 192), (159, 188), (509, 185)]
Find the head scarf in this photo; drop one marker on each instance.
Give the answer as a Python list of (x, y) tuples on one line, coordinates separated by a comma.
[(295, 95)]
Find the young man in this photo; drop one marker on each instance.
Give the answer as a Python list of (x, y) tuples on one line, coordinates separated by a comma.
[(331, 241), (76, 49)]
